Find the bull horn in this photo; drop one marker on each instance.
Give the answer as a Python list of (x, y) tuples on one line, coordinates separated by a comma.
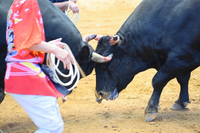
[(89, 37), (101, 59), (98, 37), (114, 40)]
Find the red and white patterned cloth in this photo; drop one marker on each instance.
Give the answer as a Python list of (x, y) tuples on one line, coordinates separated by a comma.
[(25, 29)]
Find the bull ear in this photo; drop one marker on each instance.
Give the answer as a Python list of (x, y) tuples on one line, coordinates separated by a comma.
[(85, 52), (128, 40), (129, 43)]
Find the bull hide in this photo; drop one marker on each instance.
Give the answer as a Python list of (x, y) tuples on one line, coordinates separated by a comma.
[(160, 34), (56, 25)]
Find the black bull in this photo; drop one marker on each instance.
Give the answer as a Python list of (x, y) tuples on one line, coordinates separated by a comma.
[(56, 25), (160, 34)]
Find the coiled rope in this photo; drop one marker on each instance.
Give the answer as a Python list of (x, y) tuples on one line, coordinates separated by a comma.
[(74, 70), (74, 17), (53, 64)]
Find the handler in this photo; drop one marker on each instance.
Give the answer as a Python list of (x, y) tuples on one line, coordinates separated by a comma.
[(24, 79)]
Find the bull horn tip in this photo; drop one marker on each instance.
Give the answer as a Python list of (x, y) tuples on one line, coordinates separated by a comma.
[(93, 36)]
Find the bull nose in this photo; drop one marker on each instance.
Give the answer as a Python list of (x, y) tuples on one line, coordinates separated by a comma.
[(101, 95)]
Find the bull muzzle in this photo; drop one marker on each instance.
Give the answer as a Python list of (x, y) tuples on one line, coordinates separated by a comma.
[(105, 95)]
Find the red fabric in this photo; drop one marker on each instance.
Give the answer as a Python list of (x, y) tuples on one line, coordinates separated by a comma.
[(25, 29), (38, 84), (28, 24)]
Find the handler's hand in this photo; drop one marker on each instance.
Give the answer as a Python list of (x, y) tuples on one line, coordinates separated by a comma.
[(74, 7), (73, 1), (64, 56)]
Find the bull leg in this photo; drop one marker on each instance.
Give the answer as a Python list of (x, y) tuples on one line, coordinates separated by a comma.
[(2, 95), (2, 92), (183, 99), (153, 104), (162, 77), (2, 73)]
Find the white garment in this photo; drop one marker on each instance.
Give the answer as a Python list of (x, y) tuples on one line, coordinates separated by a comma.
[(43, 110)]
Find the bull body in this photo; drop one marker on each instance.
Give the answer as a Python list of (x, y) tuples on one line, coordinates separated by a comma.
[(56, 25), (159, 34)]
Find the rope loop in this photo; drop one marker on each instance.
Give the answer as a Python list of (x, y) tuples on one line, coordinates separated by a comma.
[(74, 71), (74, 17)]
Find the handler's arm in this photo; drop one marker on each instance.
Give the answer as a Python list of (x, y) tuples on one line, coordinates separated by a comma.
[(60, 53)]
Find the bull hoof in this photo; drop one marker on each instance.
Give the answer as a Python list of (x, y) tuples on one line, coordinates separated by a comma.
[(177, 106), (158, 108), (1, 99), (150, 117)]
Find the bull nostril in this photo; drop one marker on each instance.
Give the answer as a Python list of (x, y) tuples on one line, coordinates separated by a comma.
[(100, 93)]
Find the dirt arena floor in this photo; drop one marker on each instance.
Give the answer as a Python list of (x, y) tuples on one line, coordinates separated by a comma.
[(81, 114)]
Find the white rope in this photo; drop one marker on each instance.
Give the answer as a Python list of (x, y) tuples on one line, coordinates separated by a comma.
[(74, 17), (73, 71)]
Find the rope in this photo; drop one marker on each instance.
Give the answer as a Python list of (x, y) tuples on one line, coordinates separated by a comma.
[(74, 17), (73, 71)]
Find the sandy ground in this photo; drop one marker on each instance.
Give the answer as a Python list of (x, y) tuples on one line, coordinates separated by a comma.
[(82, 114)]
